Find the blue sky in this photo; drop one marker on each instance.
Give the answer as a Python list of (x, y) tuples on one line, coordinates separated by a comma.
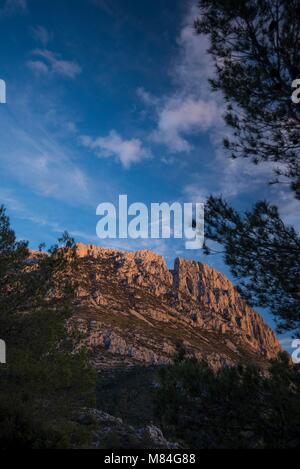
[(107, 98)]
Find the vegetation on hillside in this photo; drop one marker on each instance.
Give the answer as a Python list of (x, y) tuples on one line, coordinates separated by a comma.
[(45, 379), (233, 408)]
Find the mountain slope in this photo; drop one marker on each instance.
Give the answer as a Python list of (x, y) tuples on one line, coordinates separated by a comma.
[(133, 309)]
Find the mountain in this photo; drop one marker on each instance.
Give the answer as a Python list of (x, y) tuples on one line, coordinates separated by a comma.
[(134, 310)]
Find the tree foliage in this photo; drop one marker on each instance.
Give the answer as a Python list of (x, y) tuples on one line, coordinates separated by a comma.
[(263, 253), (46, 377), (255, 47), (235, 407)]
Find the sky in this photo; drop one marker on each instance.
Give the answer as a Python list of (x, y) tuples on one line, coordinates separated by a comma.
[(110, 97)]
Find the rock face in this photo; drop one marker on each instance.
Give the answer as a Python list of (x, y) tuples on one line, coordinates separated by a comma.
[(134, 309), (110, 432)]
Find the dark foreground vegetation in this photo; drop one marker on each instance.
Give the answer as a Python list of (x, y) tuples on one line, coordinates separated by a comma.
[(233, 408), (43, 381), (48, 380)]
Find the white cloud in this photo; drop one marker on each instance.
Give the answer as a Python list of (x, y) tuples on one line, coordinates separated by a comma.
[(191, 108), (183, 116), (193, 65), (113, 145), (54, 64), (195, 193)]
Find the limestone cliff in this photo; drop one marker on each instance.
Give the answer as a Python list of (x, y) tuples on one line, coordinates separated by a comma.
[(134, 309)]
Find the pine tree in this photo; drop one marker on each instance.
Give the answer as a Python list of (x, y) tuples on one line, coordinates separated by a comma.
[(46, 377), (255, 47)]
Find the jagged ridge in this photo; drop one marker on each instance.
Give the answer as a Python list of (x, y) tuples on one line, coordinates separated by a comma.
[(134, 309)]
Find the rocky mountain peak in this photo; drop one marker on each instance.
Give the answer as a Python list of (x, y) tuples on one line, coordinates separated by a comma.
[(134, 308)]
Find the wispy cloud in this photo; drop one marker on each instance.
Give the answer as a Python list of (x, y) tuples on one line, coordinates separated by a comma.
[(148, 98), (21, 211), (42, 35), (37, 160), (127, 152), (233, 179), (191, 108), (51, 62), (182, 116), (37, 66), (12, 7), (103, 5), (16, 206), (7, 199)]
